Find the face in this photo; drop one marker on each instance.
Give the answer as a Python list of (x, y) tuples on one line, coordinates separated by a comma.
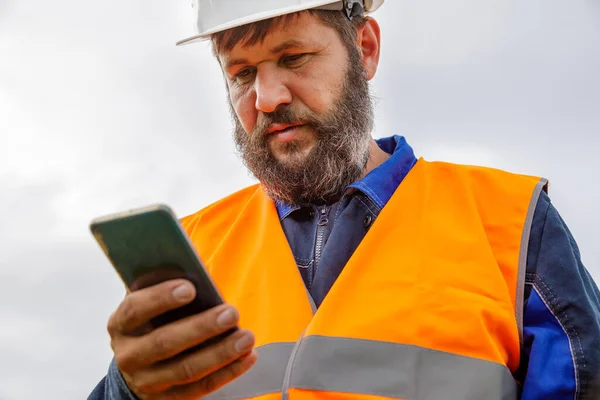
[(302, 112)]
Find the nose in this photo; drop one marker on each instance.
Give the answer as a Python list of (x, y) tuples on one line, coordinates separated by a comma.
[(271, 90)]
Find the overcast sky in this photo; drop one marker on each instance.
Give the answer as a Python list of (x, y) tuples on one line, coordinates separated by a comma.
[(99, 112)]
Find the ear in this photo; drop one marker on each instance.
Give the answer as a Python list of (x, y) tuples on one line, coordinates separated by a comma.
[(368, 41)]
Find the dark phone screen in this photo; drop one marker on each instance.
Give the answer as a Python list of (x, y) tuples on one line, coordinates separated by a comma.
[(149, 248)]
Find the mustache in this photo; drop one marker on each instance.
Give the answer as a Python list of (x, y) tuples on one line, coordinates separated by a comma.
[(283, 115)]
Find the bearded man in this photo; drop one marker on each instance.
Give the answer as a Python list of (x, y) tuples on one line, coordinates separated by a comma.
[(354, 269)]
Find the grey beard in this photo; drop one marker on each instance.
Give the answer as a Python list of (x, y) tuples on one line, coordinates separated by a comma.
[(339, 155)]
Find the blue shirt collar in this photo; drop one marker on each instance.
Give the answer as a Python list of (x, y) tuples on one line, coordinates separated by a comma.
[(381, 183)]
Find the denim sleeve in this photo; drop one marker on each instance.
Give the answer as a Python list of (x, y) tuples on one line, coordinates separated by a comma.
[(561, 326), (112, 386)]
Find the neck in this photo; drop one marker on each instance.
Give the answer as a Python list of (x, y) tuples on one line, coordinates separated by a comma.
[(376, 158)]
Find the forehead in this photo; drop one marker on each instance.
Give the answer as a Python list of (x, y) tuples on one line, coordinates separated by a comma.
[(298, 29)]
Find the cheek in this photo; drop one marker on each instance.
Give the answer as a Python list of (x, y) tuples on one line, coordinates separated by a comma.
[(318, 91), (243, 105)]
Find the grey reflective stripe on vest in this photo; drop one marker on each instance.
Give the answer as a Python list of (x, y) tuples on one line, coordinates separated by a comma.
[(266, 376), (523, 255), (372, 367), (397, 371)]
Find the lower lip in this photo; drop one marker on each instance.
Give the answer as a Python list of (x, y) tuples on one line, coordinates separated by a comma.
[(288, 134)]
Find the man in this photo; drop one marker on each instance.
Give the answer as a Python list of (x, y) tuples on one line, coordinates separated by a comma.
[(355, 270)]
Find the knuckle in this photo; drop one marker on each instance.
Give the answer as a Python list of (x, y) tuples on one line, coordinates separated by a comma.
[(142, 386), (145, 385), (139, 390), (211, 383), (161, 343), (186, 371), (128, 314), (124, 360), (224, 351), (114, 345), (214, 381), (134, 384), (203, 326), (111, 325)]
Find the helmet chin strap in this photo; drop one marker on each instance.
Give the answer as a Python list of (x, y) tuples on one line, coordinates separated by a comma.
[(353, 8)]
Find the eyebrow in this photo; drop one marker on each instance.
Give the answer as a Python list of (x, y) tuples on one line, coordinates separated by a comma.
[(288, 44)]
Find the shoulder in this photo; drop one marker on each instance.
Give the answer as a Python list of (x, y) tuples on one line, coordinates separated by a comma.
[(475, 172), (562, 307), (486, 185)]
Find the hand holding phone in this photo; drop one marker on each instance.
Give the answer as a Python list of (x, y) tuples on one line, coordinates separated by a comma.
[(155, 365), (173, 336)]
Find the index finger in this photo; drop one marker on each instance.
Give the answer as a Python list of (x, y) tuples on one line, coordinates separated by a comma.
[(142, 305)]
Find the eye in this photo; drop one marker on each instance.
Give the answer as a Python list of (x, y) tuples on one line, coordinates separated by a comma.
[(244, 75), (293, 60)]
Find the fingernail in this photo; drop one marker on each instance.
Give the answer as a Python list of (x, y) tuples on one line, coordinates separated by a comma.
[(183, 292), (227, 318), (244, 343)]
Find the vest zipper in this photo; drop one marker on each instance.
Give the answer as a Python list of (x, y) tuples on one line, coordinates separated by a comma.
[(323, 220)]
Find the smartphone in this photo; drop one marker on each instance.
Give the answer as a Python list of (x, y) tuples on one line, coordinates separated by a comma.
[(147, 246)]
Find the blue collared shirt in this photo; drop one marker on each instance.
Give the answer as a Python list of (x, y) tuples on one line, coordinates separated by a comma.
[(561, 328)]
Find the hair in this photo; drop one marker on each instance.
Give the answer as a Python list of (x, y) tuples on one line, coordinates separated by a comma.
[(254, 33)]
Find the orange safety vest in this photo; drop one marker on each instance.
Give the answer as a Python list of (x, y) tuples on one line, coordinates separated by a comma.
[(428, 307)]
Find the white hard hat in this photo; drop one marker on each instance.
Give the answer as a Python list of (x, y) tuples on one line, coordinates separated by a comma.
[(214, 16)]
